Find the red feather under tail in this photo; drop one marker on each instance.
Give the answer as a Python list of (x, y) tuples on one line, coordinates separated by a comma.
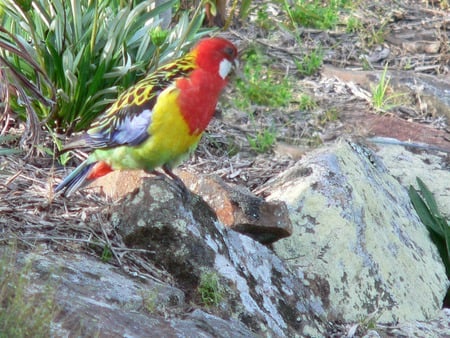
[(84, 174)]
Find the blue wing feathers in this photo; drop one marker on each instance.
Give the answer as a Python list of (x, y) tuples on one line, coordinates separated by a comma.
[(132, 130), (129, 129)]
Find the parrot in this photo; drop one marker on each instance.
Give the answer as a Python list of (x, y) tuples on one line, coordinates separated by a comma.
[(157, 122)]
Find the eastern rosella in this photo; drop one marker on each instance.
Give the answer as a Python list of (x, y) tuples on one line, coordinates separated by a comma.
[(160, 120)]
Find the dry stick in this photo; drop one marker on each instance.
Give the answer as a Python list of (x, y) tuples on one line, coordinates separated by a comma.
[(12, 178), (108, 242), (158, 273)]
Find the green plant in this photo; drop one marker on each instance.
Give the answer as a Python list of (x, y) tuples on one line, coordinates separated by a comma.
[(64, 157), (379, 91), (307, 103), (427, 209), (407, 64), (438, 227), (317, 13), (373, 35), (262, 17), (106, 254), (381, 99), (72, 58), (377, 37), (210, 290), (149, 300), (369, 322), (311, 62), (261, 84), (22, 314), (329, 115), (353, 25), (244, 9), (263, 141)]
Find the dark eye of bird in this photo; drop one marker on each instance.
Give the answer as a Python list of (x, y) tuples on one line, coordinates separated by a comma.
[(229, 51)]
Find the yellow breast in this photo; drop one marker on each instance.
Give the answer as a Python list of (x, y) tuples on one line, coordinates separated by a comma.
[(170, 141)]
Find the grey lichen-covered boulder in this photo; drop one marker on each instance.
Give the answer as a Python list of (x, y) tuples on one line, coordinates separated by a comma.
[(188, 241), (94, 299), (407, 163), (357, 233)]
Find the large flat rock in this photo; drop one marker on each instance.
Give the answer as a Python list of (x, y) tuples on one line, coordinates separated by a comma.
[(355, 228)]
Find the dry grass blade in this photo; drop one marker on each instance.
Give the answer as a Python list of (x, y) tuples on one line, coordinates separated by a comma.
[(22, 52), (16, 82), (33, 132), (4, 97)]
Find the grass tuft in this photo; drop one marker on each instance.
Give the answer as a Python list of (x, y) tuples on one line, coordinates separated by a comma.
[(263, 141), (262, 85), (210, 290), (382, 100), (310, 63), (317, 13)]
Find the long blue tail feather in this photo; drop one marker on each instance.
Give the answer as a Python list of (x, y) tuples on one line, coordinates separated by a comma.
[(76, 179)]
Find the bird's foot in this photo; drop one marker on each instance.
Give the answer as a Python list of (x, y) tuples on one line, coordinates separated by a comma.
[(179, 183), (175, 181)]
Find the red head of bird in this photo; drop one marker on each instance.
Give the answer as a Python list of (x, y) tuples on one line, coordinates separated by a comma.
[(216, 55)]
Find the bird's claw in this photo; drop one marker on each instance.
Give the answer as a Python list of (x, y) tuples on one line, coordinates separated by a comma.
[(174, 180)]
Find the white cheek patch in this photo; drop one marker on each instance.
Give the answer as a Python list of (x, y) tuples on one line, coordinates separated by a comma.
[(225, 68)]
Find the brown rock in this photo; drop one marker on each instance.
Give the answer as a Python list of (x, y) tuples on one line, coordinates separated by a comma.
[(119, 183), (237, 208), (187, 241)]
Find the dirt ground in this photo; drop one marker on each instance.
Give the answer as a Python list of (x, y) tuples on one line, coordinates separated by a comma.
[(415, 49)]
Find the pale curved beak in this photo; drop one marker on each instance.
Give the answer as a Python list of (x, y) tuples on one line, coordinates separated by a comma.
[(237, 70)]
